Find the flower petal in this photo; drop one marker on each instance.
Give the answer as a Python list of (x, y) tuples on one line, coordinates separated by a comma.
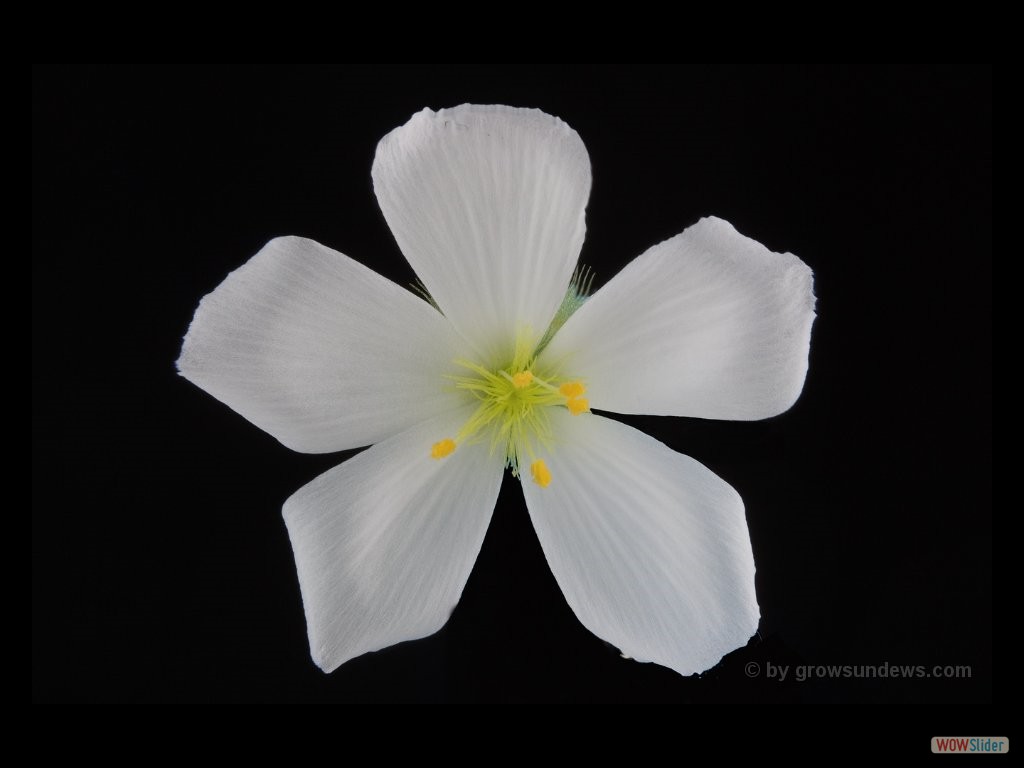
[(318, 350), (650, 547), (486, 203), (708, 324), (384, 543)]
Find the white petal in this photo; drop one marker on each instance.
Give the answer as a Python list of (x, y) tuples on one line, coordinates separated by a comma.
[(384, 543), (487, 205), (319, 351), (708, 324), (650, 547)]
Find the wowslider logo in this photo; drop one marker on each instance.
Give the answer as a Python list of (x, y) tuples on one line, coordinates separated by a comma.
[(978, 745)]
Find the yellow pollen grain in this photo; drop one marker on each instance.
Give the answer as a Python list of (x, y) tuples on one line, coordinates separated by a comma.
[(522, 379), (572, 389), (578, 405), (443, 448), (541, 473)]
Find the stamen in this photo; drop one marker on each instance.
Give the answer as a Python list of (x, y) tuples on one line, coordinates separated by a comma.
[(578, 405), (522, 379), (572, 389), (541, 473), (443, 448)]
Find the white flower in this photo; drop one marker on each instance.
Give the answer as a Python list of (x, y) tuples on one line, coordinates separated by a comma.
[(649, 547)]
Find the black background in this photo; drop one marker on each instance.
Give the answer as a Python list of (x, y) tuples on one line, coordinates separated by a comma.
[(161, 567)]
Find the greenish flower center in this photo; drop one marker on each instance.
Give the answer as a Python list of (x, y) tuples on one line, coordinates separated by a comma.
[(513, 401)]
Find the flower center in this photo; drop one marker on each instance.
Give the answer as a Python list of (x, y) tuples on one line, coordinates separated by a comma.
[(512, 411)]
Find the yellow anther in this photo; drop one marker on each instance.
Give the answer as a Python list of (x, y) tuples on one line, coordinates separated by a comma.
[(541, 473), (572, 389), (443, 448), (578, 405), (522, 379)]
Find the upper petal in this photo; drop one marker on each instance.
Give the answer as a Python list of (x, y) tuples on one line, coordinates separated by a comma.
[(486, 203), (650, 547), (708, 323), (318, 350), (384, 543)]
